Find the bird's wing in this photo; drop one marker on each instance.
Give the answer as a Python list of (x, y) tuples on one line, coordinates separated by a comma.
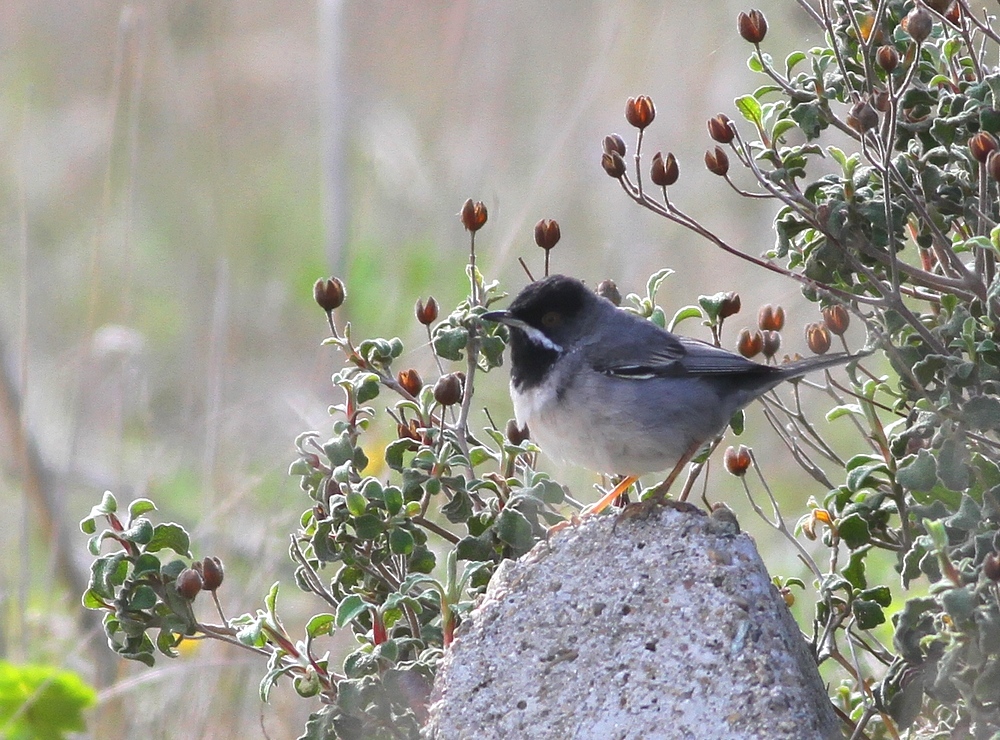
[(640, 349)]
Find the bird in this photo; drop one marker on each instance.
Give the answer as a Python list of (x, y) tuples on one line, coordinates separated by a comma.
[(610, 391)]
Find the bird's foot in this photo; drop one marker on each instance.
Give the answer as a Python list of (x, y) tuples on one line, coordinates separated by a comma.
[(642, 509)]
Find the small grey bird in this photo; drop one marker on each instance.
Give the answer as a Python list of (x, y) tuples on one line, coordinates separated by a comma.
[(612, 392)]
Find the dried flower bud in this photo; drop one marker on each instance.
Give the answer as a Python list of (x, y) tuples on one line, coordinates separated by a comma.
[(547, 233), (717, 161), (212, 573), (881, 101), (607, 289), (954, 14), (188, 583), (426, 313), (663, 171), (787, 596), (613, 164), (887, 57), (939, 6), (408, 431), (448, 389), (771, 317), (771, 343), (730, 305), (737, 460), (836, 319), (614, 143), (640, 111), (981, 145), (720, 129), (329, 293), (991, 566), (818, 338), (752, 26), (410, 380), (918, 23), (862, 116), (993, 165), (749, 345), (515, 434), (473, 215)]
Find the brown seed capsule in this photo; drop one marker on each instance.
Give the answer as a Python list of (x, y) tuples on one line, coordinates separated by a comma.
[(991, 566), (918, 23), (515, 434), (410, 380), (954, 14), (188, 583), (473, 215), (717, 161), (887, 58), (787, 596), (613, 164), (771, 343), (547, 234), (720, 129), (737, 460), (881, 101), (426, 313), (607, 289), (614, 143), (749, 345), (981, 145), (212, 573), (663, 171), (448, 389), (818, 338), (771, 317), (640, 111), (837, 319), (752, 26), (730, 305), (329, 293), (862, 116), (993, 165), (939, 6)]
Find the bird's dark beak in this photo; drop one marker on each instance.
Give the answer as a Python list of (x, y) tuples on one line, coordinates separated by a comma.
[(500, 317)]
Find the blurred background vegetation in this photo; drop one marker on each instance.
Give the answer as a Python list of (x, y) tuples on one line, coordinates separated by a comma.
[(175, 175)]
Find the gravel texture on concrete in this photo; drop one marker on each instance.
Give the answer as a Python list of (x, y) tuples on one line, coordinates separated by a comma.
[(667, 627)]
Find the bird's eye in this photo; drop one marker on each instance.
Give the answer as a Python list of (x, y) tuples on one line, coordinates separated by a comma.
[(551, 319)]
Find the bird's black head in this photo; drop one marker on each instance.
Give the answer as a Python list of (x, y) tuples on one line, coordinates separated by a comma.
[(546, 320)]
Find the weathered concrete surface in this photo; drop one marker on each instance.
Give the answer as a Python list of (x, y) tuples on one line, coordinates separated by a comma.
[(661, 628)]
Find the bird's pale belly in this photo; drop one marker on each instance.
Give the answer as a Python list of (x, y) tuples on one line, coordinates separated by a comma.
[(618, 438)]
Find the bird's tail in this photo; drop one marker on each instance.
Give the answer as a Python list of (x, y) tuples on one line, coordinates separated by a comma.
[(798, 368)]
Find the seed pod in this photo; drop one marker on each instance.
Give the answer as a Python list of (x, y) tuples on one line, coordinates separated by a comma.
[(613, 164), (993, 165), (547, 234), (717, 161), (640, 111), (188, 583), (720, 129), (918, 23), (818, 338), (329, 293), (608, 289), (663, 171), (749, 345), (730, 305), (212, 573), (771, 317), (410, 380), (887, 58), (515, 434), (862, 116), (614, 143), (991, 566), (981, 145), (473, 215), (426, 313), (752, 26), (737, 460), (836, 319), (448, 389), (771, 343)]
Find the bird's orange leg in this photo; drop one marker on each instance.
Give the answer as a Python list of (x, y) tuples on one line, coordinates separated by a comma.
[(595, 508)]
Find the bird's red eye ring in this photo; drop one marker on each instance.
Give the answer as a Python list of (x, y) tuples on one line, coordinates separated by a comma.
[(551, 319)]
